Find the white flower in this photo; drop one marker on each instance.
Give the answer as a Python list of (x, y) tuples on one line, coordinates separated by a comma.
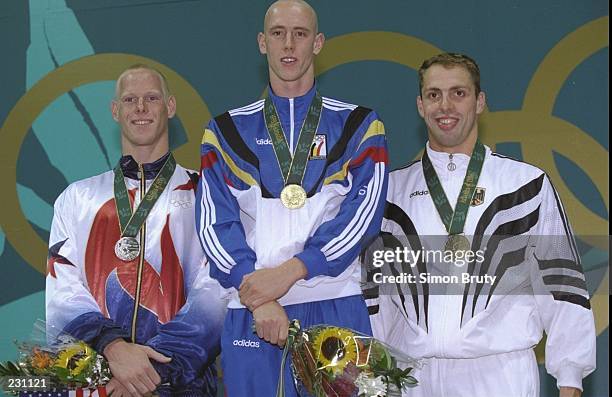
[(370, 386)]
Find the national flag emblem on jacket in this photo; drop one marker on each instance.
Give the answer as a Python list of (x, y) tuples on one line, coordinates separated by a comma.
[(478, 197), (318, 150)]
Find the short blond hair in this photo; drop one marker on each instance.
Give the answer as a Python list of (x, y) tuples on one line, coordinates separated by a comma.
[(137, 66)]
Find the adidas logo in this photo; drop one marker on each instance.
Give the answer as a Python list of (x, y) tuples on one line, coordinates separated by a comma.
[(419, 193), (260, 141), (246, 343)]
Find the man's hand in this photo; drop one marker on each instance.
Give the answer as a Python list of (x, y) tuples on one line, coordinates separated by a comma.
[(569, 392), (265, 285), (271, 323), (130, 366), (115, 388)]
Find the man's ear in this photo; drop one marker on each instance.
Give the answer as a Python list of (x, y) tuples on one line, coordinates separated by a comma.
[(419, 102), (115, 110), (481, 102), (318, 43), (171, 105), (261, 41)]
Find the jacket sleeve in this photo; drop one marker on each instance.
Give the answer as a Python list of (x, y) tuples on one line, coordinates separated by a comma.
[(192, 337), (70, 307), (337, 243), (561, 294), (217, 211)]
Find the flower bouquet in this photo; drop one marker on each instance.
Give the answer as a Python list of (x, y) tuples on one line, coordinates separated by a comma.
[(330, 361), (68, 363)]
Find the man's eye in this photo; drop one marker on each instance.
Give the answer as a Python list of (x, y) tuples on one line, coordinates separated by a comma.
[(460, 93), (433, 95), (153, 98), (129, 99)]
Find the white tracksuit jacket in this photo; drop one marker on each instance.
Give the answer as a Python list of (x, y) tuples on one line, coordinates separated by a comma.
[(539, 286)]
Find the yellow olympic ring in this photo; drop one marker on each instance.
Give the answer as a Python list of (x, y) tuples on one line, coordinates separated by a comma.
[(192, 111)]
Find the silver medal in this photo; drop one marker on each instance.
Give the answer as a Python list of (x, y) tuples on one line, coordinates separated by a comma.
[(127, 249)]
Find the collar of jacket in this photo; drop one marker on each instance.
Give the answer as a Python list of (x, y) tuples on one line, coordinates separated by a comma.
[(129, 166), (300, 103)]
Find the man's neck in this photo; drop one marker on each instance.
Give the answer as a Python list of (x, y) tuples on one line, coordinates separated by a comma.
[(146, 154), (465, 147), (291, 89)]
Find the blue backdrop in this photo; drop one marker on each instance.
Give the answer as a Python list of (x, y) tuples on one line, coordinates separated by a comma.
[(544, 68)]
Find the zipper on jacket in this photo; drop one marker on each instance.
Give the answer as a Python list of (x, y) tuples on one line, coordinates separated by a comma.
[(291, 124), (141, 177)]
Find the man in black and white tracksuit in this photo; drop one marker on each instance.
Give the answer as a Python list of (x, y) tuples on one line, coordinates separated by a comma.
[(476, 337)]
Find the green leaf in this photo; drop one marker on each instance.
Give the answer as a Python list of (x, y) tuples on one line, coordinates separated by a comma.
[(411, 380), (3, 370), (13, 368)]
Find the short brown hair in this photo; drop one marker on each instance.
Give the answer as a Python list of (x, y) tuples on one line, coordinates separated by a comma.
[(449, 60)]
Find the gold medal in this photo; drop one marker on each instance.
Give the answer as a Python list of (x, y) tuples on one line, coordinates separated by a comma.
[(456, 243), (127, 249), (293, 196)]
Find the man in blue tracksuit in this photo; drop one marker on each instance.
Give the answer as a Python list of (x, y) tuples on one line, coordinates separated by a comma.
[(292, 186)]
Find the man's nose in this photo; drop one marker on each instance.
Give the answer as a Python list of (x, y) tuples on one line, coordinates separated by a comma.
[(289, 41), (445, 102), (141, 105)]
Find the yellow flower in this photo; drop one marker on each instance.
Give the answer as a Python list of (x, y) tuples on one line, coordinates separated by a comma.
[(75, 358), (40, 359), (335, 348)]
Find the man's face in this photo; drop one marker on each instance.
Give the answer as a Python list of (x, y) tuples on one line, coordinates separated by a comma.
[(141, 110), (290, 42), (449, 105)]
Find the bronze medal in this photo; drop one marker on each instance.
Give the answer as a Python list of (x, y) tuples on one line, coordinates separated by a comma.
[(293, 196), (456, 243)]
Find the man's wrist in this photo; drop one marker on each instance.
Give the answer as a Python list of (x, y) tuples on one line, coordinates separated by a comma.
[(565, 391), (112, 346), (294, 269)]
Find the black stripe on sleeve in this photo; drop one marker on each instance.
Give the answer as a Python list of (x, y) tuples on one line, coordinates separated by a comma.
[(559, 279), (234, 140), (559, 263), (572, 298)]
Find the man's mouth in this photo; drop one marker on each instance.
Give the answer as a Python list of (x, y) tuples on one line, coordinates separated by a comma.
[(142, 122), (288, 60), (446, 123)]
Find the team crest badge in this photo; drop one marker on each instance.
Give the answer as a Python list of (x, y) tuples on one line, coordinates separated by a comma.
[(479, 196), (318, 150)]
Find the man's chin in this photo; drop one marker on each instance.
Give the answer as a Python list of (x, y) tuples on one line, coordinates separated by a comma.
[(447, 139)]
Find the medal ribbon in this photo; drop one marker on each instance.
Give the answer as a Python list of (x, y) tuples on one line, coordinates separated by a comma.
[(454, 221), (132, 222), (293, 166)]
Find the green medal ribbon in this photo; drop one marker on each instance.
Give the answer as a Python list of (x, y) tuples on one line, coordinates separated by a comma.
[(294, 332), (132, 222), (454, 221), (293, 166)]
